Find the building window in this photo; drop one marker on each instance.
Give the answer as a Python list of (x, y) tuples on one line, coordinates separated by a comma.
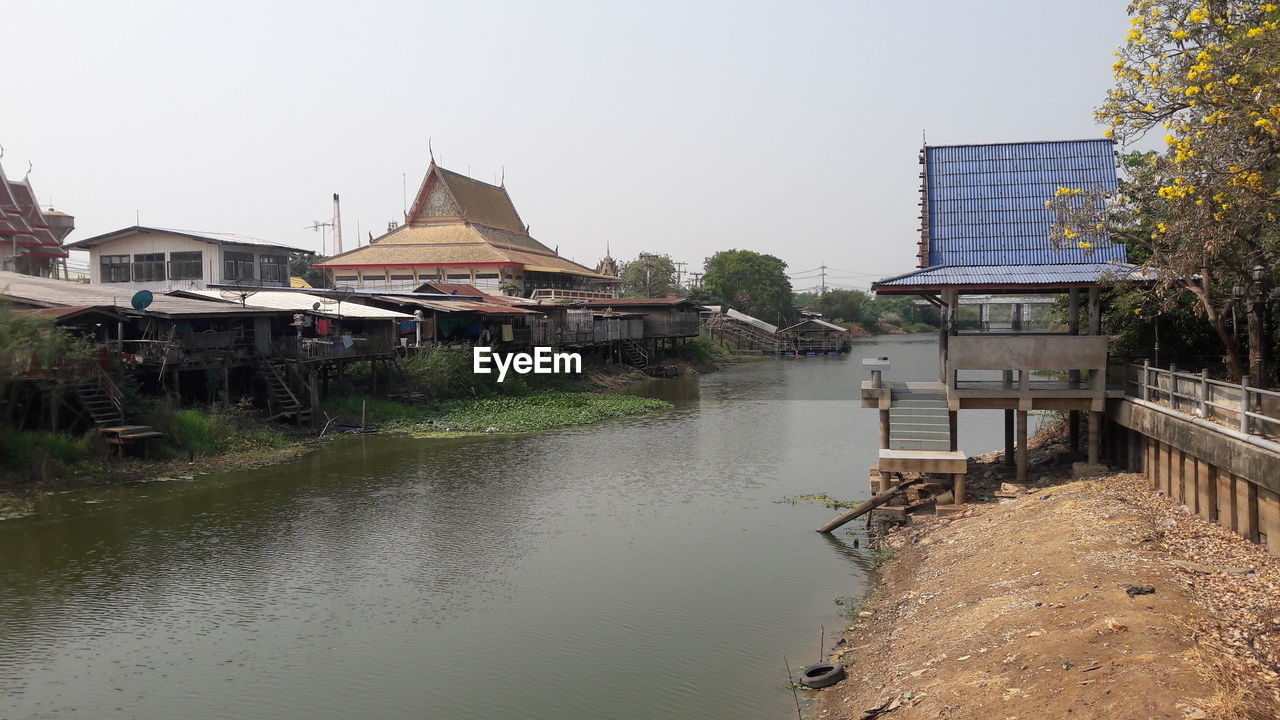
[(237, 265), (345, 279), (459, 277), (401, 282), (115, 268), (148, 267), (186, 265), (274, 268)]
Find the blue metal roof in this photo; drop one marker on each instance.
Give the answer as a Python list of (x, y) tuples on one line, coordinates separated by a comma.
[(1030, 275), (987, 202)]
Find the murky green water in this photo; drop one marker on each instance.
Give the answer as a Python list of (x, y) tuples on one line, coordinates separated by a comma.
[(635, 569)]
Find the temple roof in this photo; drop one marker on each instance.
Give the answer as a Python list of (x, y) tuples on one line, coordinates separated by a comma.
[(457, 220), (21, 222)]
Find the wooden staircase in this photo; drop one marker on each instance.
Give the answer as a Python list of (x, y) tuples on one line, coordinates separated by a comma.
[(632, 354), (281, 401), (101, 398), (919, 420)]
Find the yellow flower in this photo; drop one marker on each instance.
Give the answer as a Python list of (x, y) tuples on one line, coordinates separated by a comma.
[(1084, 245), (1198, 15), (1254, 32), (1269, 7), (1180, 34)]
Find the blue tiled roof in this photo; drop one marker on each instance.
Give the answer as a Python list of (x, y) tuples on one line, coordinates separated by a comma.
[(987, 202), (1030, 275)]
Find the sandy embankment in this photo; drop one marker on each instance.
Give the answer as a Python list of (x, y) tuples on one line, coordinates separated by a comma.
[(1032, 609)]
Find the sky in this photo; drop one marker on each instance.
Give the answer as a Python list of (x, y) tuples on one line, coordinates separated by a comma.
[(670, 127)]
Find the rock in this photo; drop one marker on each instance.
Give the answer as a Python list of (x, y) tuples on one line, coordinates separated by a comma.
[(865, 613), (1114, 625), (1084, 469), (1236, 570), (491, 429), (1192, 566)]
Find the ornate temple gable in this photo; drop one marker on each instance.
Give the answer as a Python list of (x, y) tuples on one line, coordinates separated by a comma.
[(434, 202), (451, 197)]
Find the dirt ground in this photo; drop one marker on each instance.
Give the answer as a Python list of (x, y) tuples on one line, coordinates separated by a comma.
[(1030, 608)]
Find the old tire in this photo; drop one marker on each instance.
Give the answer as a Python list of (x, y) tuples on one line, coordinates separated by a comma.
[(822, 675)]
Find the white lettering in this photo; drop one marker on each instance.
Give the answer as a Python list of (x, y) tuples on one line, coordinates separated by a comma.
[(503, 366), (572, 363), (541, 362)]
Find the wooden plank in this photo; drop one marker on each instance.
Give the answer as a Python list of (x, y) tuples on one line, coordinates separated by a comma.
[(1269, 520), (1226, 500), (1206, 489), (869, 505), (1244, 518)]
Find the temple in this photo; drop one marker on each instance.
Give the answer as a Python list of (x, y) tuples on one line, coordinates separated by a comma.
[(462, 230), (31, 239)]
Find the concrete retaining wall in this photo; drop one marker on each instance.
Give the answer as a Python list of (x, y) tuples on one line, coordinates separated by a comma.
[(1216, 473)]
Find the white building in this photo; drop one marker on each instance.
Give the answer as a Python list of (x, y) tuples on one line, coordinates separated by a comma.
[(163, 259)]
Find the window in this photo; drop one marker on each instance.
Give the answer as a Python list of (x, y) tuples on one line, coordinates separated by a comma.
[(148, 267), (274, 268), (466, 277), (186, 265), (345, 278), (237, 265), (401, 282), (115, 268)]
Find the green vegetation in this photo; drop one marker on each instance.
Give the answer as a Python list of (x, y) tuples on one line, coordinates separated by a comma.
[(1201, 213), (751, 282), (209, 431), (855, 307), (823, 500), (649, 276), (530, 412)]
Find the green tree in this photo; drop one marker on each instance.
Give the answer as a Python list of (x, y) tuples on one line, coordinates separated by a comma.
[(302, 265), (1204, 210), (648, 276), (751, 282)]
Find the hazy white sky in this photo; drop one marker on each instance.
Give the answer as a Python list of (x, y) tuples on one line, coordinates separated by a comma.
[(676, 127)]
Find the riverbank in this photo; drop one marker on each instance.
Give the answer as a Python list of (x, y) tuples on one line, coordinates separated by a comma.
[(1080, 598), (218, 438)]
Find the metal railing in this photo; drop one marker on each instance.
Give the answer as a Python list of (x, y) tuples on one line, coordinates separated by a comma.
[(1251, 410)]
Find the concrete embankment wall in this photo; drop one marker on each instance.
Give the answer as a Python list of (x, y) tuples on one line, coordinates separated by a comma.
[(1219, 473)]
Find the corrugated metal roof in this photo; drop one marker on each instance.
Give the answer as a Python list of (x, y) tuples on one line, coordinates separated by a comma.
[(450, 306), (987, 202), (299, 302), (820, 323), (743, 317), (636, 302), (228, 238), (51, 293), (1002, 275)]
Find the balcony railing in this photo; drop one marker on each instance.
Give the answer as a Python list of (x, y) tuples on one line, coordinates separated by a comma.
[(1251, 410)]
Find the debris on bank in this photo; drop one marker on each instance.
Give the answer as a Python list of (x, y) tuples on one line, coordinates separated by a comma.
[(1068, 598)]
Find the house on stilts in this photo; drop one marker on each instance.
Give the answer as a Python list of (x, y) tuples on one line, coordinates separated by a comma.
[(985, 230)]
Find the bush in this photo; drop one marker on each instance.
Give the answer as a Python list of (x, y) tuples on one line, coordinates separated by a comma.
[(202, 432)]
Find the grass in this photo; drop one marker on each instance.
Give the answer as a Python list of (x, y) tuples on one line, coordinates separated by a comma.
[(211, 430), (515, 413), (823, 500)]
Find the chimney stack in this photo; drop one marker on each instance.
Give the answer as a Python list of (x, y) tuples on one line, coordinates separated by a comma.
[(337, 226)]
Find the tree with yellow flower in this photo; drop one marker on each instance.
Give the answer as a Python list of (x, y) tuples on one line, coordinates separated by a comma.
[(1206, 73)]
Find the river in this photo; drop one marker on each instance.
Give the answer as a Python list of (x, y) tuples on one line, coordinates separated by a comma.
[(640, 568)]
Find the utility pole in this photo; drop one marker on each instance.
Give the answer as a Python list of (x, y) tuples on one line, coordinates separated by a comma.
[(697, 279), (823, 268), (679, 273)]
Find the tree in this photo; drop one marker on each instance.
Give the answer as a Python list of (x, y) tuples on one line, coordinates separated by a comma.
[(648, 276), (752, 283), (302, 265), (1203, 211)]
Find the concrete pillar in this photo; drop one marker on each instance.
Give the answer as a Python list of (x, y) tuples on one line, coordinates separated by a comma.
[(1022, 446), (1008, 438), (953, 418), (1095, 436), (1073, 328), (884, 429)]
